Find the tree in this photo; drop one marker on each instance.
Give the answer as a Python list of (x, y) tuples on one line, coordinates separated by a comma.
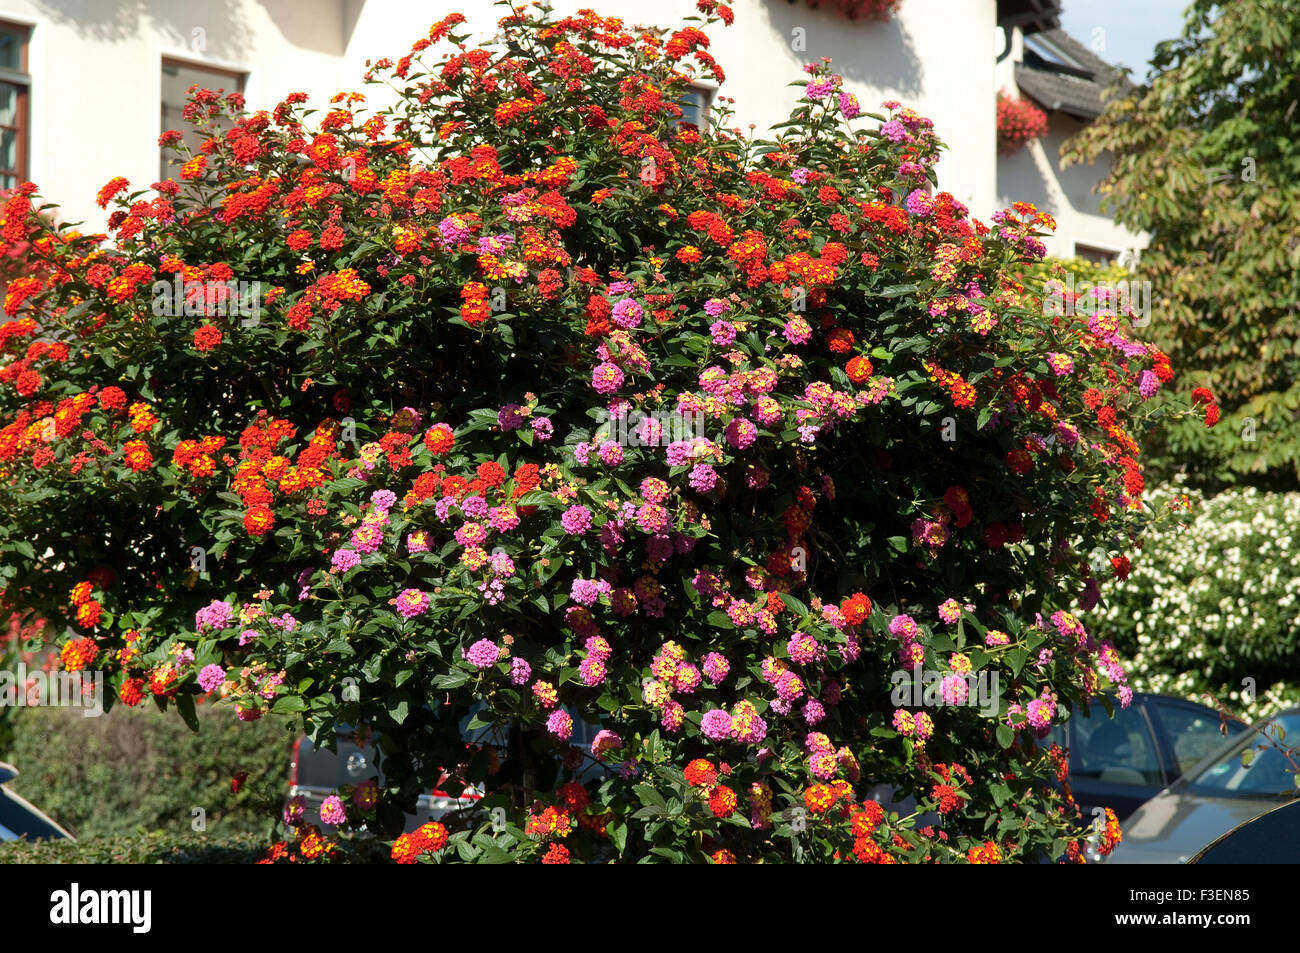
[(1205, 160)]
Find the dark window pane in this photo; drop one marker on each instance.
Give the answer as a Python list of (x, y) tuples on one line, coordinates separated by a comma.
[(8, 149), (177, 78), (1191, 734), (11, 48), (695, 107), (1117, 750), (9, 105)]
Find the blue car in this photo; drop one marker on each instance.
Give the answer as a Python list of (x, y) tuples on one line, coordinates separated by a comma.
[(1124, 761)]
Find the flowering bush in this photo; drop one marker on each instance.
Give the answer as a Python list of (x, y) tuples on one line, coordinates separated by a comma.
[(1019, 122), (554, 407), (1213, 602)]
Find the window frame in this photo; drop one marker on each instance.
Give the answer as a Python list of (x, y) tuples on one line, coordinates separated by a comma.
[(239, 77), (709, 93), (1088, 251), (22, 79)]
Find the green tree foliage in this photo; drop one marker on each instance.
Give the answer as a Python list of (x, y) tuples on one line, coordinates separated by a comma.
[(1205, 159)]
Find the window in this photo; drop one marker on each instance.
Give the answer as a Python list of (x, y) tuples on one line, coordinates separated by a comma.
[(1050, 51), (1119, 750), (1096, 255), (15, 89), (177, 78), (1190, 733), (695, 106)]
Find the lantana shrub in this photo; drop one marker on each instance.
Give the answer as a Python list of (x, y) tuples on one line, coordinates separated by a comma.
[(1211, 608), (554, 406), (1019, 123)]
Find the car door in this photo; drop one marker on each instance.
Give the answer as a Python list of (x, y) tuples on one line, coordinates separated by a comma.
[(1114, 762)]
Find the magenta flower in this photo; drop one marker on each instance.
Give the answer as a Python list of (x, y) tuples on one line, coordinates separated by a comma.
[(607, 378), (345, 559), (412, 603), (213, 617), (716, 725), (520, 672), (576, 520), (627, 314), (560, 724), (483, 654), (715, 667), (605, 741), (332, 811), (509, 417), (295, 810), (211, 676), (920, 204)]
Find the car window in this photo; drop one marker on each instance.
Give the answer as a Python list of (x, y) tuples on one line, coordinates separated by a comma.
[(1117, 750), (1268, 771), (1190, 733)]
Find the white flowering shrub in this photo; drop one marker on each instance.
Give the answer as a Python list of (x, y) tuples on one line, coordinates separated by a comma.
[(1210, 603)]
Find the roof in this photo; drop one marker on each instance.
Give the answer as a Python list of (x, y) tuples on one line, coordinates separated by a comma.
[(1031, 16), (1073, 84)]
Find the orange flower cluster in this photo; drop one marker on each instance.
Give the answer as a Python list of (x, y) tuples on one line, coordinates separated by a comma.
[(426, 839), (986, 853), (552, 822), (88, 609), (78, 654), (196, 456)]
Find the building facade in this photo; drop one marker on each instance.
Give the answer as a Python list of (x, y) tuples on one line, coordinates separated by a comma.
[(91, 84)]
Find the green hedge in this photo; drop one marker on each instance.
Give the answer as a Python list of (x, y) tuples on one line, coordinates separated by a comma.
[(140, 770), (1216, 603), (139, 848)]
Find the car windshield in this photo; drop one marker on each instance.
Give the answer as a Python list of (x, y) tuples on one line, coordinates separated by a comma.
[(1259, 766)]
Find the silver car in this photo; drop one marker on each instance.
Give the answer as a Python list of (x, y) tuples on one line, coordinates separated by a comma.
[(1247, 776)]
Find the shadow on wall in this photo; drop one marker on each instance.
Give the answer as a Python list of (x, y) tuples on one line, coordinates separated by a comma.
[(1034, 174), (1026, 176), (213, 28), (876, 54), (1078, 182)]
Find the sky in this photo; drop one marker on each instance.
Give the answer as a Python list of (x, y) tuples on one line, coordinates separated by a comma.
[(1130, 29)]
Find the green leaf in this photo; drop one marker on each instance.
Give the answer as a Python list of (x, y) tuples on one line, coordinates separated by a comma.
[(185, 708), (720, 620)]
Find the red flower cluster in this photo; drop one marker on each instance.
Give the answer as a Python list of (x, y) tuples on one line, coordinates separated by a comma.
[(1019, 121), (426, 839)]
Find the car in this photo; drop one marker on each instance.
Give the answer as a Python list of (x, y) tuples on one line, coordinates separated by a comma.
[(19, 819), (316, 773), (1121, 762), (1244, 778), (1271, 838)]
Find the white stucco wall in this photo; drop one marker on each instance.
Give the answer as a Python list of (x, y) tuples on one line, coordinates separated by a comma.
[(934, 56), (1034, 174), (96, 63), (96, 77)]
